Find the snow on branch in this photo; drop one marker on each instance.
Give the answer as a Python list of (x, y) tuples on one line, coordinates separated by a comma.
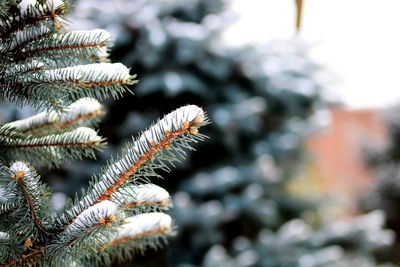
[(103, 73), (102, 213), (91, 80), (21, 173), (133, 196), (52, 149), (86, 75), (33, 122), (143, 225), (34, 8), (32, 12), (84, 229), (47, 67), (33, 196), (19, 170), (83, 109), (4, 235), (84, 112), (80, 137), (179, 124)]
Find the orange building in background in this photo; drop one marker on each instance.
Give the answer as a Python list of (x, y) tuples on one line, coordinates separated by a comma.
[(336, 166)]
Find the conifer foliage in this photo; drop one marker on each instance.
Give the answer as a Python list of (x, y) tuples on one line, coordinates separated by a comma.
[(384, 161), (63, 74), (232, 203)]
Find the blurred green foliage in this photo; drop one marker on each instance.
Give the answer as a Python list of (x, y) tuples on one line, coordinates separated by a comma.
[(384, 161)]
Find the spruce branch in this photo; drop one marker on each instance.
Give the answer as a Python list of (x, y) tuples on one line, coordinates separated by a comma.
[(84, 112), (8, 248), (14, 70), (45, 67), (9, 203), (133, 235), (30, 34), (31, 202), (83, 231), (5, 6), (83, 44), (163, 142), (8, 207), (30, 13), (71, 83), (21, 174), (34, 9), (52, 149)]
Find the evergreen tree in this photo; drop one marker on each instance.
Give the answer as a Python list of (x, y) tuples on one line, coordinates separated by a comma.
[(62, 74), (232, 205)]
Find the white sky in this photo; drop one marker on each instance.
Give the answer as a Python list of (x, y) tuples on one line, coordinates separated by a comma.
[(358, 40)]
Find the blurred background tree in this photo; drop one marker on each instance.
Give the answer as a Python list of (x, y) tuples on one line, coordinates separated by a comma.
[(384, 160), (232, 206)]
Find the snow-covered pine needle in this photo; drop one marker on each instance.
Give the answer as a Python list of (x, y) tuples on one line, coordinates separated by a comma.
[(133, 196), (80, 137), (83, 109), (91, 80), (52, 149), (179, 125), (85, 75), (19, 170), (142, 225), (33, 122), (102, 213), (83, 229), (4, 236), (163, 142), (34, 8), (84, 112), (31, 197)]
